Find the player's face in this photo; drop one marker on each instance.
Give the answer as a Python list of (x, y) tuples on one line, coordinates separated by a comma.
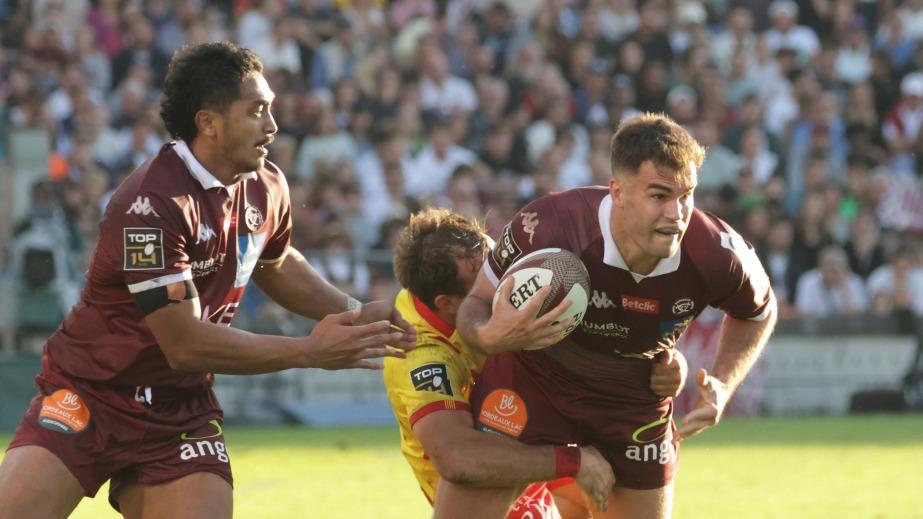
[(249, 126), (468, 269), (656, 207)]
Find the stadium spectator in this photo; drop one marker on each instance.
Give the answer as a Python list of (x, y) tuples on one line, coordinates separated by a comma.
[(831, 289), (864, 248), (164, 241), (141, 50), (898, 286), (429, 172), (326, 144), (776, 256), (440, 91), (785, 33)]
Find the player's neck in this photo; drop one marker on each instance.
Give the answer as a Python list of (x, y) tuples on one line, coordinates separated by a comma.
[(214, 161), (635, 258)]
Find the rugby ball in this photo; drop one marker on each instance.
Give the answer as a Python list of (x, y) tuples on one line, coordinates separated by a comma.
[(559, 268)]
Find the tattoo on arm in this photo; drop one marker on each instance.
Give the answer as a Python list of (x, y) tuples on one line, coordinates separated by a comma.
[(352, 303)]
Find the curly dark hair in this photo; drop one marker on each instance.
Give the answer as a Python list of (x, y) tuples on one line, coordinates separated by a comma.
[(203, 76), (653, 137), (427, 250)]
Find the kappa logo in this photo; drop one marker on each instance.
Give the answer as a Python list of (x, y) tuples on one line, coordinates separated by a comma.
[(205, 233), (601, 300), (529, 223), (142, 206)]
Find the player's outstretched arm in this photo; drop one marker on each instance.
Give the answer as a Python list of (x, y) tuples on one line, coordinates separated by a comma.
[(739, 345), (507, 328), (293, 283), (191, 344), (468, 457)]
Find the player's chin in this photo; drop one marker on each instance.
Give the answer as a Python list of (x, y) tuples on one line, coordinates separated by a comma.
[(253, 164), (664, 246)]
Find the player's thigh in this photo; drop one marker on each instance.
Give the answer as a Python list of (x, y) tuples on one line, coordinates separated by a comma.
[(35, 483), (626, 503), (200, 494), (463, 502)]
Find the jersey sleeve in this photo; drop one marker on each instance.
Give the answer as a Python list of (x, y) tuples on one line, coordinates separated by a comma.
[(430, 379), (742, 288), (534, 227), (149, 237), (282, 235)]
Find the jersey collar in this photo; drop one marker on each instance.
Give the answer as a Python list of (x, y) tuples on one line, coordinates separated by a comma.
[(199, 172), (612, 256), (430, 317)]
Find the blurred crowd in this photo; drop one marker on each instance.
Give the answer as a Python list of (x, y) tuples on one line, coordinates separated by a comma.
[(811, 111)]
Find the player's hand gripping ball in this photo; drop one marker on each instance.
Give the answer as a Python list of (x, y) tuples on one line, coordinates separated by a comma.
[(559, 268)]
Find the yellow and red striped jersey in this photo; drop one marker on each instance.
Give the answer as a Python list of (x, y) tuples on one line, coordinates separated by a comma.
[(435, 376)]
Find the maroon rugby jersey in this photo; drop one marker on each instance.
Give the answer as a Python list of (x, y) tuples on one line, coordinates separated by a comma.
[(171, 220), (632, 315)]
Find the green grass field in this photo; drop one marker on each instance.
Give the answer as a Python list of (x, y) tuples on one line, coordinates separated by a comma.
[(855, 467)]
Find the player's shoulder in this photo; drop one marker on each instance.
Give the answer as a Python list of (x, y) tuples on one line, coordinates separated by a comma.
[(429, 351), (711, 242), (571, 202), (273, 177), (159, 181)]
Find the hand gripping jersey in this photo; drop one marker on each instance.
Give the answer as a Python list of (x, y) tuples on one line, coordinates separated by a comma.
[(633, 315), (170, 221)]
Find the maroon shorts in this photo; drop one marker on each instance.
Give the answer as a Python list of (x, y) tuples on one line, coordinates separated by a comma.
[(126, 434), (530, 397)]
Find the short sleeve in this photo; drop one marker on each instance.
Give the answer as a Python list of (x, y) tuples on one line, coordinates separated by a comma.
[(282, 234), (533, 228), (743, 288), (430, 379), (149, 236)]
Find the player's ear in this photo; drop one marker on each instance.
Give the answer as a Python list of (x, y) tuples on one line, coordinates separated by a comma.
[(206, 122), (617, 190), (447, 304)]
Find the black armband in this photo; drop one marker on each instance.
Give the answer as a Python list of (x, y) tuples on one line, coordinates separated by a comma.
[(156, 298)]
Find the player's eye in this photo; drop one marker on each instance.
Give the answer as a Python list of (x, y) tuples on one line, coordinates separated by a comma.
[(659, 197)]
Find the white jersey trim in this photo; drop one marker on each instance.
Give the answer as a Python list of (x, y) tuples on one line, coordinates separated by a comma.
[(612, 256), (765, 313), (200, 173), (162, 281), (489, 272)]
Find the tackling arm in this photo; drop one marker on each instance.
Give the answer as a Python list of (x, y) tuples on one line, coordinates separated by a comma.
[(466, 456)]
